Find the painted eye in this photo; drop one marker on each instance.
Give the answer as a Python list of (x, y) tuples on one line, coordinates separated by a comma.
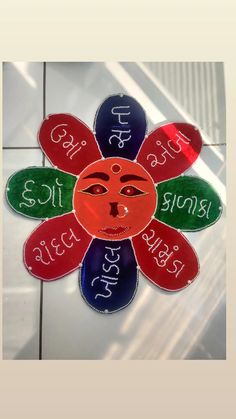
[(96, 190), (131, 191)]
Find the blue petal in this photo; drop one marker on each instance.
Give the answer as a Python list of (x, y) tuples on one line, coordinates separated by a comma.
[(109, 277), (120, 127)]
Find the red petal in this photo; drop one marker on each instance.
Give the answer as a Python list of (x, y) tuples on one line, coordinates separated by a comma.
[(170, 150), (56, 247), (165, 256), (68, 143)]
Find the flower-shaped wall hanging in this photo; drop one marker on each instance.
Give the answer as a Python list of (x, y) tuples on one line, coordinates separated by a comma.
[(115, 202)]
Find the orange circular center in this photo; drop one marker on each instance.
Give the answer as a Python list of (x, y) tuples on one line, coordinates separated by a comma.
[(114, 198)]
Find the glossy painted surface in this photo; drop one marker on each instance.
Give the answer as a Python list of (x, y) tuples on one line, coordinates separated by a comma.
[(68, 143), (170, 150), (165, 257), (56, 247), (120, 126), (109, 279), (157, 325), (40, 192), (114, 206), (188, 203)]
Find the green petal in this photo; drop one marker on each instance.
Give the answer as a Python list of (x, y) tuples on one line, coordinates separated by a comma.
[(41, 192), (187, 203)]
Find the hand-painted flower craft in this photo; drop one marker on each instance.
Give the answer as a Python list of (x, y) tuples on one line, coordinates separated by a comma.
[(108, 206)]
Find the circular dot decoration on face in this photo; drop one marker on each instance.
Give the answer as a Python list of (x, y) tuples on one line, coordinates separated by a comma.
[(114, 198), (116, 168)]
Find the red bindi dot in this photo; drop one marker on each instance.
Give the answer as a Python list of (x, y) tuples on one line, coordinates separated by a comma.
[(116, 168)]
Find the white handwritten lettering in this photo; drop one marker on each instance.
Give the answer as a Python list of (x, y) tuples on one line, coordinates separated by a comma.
[(60, 136), (117, 111), (112, 257), (164, 255), (31, 201), (47, 253), (53, 197), (121, 141), (169, 151), (194, 205)]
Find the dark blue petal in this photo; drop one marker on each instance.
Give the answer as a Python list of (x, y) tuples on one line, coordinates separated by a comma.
[(120, 127), (109, 277)]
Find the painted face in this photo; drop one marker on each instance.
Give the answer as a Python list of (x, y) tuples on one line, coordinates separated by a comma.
[(114, 198)]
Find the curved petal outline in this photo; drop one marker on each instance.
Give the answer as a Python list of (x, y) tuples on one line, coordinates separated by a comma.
[(66, 272), (37, 167), (136, 285), (96, 144), (148, 138), (134, 156), (189, 282), (197, 229), (69, 173)]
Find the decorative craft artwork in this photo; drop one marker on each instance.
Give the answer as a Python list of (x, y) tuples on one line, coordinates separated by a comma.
[(114, 203)]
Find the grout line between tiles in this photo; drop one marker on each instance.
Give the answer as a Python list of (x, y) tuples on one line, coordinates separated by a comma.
[(41, 282), (39, 148), (21, 148), (214, 145)]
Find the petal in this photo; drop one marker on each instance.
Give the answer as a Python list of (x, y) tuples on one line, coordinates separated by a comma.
[(56, 247), (165, 256), (170, 150), (41, 192), (188, 203), (68, 143), (109, 275), (120, 126)]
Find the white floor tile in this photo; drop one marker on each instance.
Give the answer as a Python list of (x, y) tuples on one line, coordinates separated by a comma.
[(83, 87), (21, 292), (22, 103)]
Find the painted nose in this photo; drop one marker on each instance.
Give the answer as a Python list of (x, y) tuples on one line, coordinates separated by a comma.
[(114, 209)]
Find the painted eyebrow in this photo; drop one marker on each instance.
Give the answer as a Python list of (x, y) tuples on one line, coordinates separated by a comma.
[(97, 175), (126, 178)]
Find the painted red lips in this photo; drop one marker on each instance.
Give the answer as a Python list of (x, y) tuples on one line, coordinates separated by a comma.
[(114, 231)]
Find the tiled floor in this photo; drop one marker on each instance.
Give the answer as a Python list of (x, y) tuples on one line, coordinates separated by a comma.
[(51, 320)]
